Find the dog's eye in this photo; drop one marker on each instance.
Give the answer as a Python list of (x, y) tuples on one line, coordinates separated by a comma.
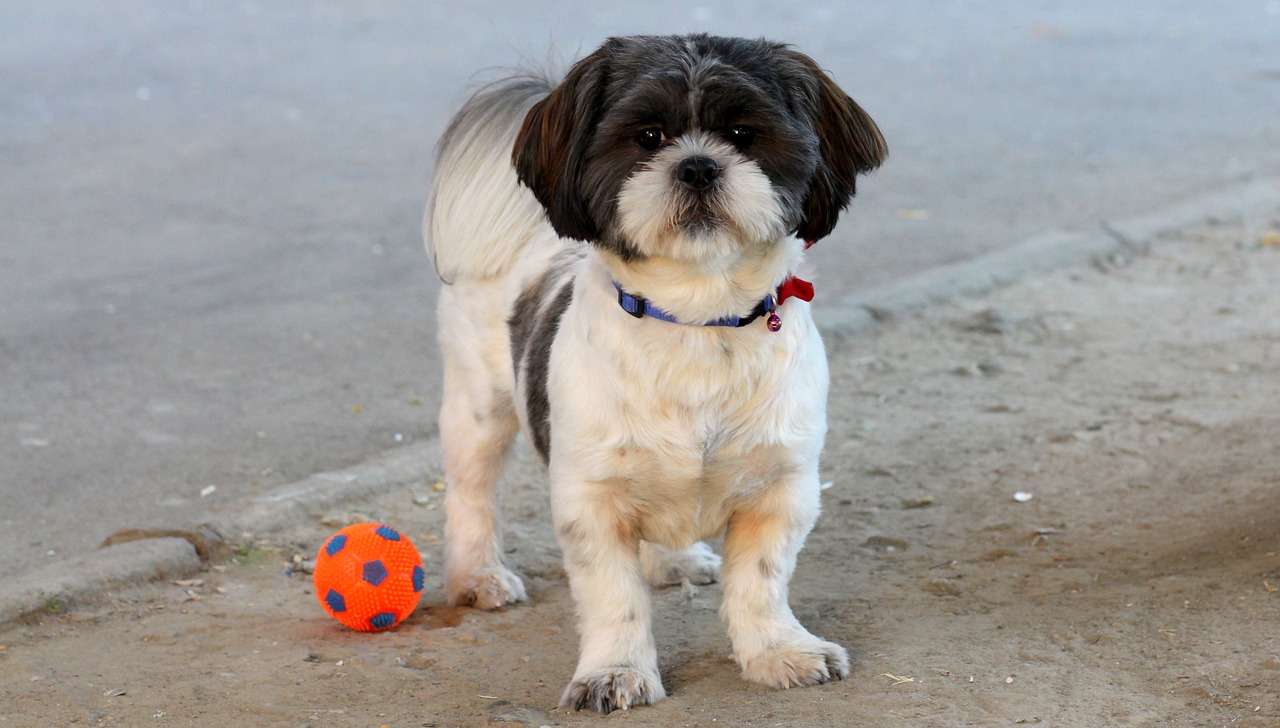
[(649, 139), (742, 136)]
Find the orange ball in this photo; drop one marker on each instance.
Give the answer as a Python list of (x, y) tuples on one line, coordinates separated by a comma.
[(369, 577)]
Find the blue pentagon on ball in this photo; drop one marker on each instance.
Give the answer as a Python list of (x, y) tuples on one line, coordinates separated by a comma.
[(374, 573)]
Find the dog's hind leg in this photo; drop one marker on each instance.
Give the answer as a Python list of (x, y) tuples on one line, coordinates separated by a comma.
[(697, 564), (477, 423)]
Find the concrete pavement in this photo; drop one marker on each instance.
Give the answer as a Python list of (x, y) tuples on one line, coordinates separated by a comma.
[(210, 270)]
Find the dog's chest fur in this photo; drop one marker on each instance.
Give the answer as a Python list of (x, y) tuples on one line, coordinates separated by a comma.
[(676, 423)]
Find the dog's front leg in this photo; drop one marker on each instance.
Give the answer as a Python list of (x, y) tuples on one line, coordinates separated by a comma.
[(618, 662), (760, 549)]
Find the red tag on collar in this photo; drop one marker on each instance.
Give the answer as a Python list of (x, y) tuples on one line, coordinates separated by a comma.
[(798, 287)]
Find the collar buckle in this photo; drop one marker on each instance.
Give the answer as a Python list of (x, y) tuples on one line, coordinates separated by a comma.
[(633, 305)]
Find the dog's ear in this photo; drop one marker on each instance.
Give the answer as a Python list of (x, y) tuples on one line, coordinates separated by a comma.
[(551, 148), (849, 143)]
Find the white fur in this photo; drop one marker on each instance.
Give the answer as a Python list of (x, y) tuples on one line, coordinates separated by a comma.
[(661, 433), (480, 223), (745, 201)]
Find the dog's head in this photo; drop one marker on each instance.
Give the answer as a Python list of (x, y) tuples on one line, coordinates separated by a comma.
[(691, 147)]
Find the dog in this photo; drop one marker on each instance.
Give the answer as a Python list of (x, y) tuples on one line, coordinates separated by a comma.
[(618, 254)]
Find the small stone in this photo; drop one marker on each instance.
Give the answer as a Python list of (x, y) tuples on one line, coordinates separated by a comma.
[(992, 321), (520, 716), (943, 587), (990, 367), (885, 544), (923, 501)]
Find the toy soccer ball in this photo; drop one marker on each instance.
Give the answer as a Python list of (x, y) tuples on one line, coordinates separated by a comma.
[(369, 577)]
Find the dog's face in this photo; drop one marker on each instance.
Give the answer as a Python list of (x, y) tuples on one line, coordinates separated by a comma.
[(692, 147)]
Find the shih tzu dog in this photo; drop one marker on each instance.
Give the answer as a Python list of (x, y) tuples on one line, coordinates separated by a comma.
[(619, 253)]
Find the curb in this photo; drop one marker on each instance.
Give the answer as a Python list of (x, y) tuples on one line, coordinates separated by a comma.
[(174, 554), (50, 589), (310, 498), (79, 579), (1110, 243)]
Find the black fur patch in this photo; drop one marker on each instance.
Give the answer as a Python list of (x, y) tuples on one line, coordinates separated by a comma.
[(532, 325)]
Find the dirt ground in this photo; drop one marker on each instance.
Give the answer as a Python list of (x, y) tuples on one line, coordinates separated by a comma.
[(1058, 504)]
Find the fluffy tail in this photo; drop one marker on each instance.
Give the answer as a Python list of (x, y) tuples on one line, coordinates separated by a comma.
[(479, 219)]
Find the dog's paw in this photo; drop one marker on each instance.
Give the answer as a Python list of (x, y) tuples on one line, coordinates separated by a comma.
[(613, 688), (798, 663), (486, 588), (697, 564)]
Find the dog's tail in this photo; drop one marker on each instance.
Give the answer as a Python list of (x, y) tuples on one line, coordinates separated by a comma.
[(479, 218)]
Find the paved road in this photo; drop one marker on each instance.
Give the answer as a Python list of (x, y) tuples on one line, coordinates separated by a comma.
[(210, 268)]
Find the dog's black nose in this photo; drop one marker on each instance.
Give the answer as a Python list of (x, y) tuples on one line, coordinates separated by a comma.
[(698, 172)]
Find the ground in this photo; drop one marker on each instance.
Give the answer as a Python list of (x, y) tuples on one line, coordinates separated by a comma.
[(1055, 504)]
